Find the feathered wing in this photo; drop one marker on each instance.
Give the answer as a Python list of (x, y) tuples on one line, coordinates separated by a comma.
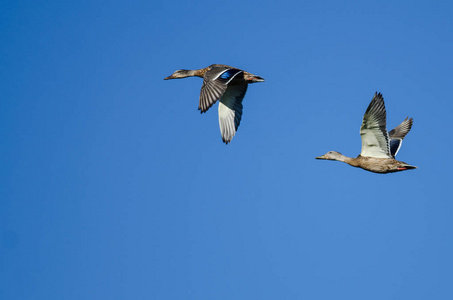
[(215, 83), (375, 138), (397, 135), (230, 111)]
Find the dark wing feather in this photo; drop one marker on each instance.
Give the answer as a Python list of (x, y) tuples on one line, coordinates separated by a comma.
[(400, 131), (395, 145), (215, 83), (397, 135), (375, 139), (230, 111)]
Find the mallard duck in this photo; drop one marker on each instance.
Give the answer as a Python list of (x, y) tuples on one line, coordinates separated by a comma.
[(379, 147), (224, 83)]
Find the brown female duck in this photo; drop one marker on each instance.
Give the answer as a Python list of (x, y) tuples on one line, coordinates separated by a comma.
[(379, 147), (226, 84)]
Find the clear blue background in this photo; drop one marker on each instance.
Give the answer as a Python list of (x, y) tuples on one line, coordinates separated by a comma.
[(113, 186)]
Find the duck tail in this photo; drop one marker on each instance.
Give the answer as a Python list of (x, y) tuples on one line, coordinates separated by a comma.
[(250, 78)]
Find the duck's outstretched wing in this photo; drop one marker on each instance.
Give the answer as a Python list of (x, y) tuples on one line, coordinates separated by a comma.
[(375, 138), (397, 135), (230, 111), (215, 83)]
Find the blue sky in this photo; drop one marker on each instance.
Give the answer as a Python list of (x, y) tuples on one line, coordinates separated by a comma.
[(113, 186)]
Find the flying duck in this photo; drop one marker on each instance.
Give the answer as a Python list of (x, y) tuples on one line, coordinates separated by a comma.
[(379, 147), (226, 84)]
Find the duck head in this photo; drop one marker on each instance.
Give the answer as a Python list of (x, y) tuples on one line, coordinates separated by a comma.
[(332, 155), (179, 74)]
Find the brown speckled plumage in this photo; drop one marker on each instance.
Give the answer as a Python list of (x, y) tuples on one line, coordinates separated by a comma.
[(379, 145), (227, 85), (372, 164)]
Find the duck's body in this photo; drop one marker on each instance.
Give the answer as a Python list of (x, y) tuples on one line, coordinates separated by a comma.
[(372, 164), (379, 147), (226, 84)]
